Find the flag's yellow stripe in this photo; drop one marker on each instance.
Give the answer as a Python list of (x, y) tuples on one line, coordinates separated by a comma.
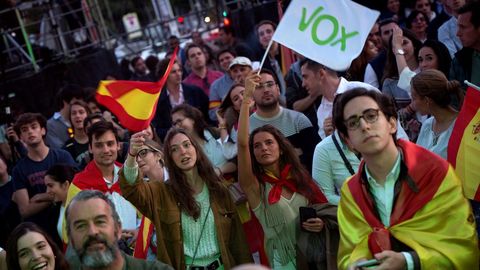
[(137, 103), (146, 229), (467, 158)]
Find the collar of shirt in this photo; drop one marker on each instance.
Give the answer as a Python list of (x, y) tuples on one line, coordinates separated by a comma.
[(116, 169), (392, 175), (181, 98), (271, 118), (58, 116), (384, 195)]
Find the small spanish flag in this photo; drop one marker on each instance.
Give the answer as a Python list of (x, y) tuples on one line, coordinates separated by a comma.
[(134, 103), (464, 145)]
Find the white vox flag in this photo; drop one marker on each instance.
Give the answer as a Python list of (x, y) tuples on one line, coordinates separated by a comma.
[(330, 32)]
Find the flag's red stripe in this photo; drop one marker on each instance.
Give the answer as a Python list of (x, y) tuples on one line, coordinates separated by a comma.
[(468, 111)]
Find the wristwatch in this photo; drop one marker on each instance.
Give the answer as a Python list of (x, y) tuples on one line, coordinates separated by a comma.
[(400, 52)]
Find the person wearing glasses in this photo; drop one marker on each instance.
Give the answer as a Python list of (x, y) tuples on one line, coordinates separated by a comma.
[(404, 208), (196, 222), (295, 126), (149, 162)]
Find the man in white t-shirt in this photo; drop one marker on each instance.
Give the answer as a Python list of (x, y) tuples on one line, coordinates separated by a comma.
[(320, 80)]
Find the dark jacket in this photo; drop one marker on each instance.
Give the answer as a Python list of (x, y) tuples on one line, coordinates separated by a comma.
[(193, 95), (461, 68), (319, 250), (157, 203)]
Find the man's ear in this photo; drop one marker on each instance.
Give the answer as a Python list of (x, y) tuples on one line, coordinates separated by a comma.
[(90, 148), (393, 125)]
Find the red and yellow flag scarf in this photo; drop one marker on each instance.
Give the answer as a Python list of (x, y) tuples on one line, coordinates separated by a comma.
[(436, 222), (134, 103), (285, 180), (464, 145), (145, 233)]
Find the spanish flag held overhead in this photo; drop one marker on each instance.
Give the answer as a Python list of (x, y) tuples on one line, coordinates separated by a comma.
[(133, 103), (464, 145)]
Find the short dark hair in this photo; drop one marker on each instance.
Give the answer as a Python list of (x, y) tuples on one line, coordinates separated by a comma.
[(227, 50), (413, 15), (474, 8), (61, 173), (91, 117), (86, 195), (263, 22), (69, 92), (99, 128), (28, 118), (269, 72), (385, 22), (134, 61), (385, 103), (12, 246), (311, 65), (191, 46)]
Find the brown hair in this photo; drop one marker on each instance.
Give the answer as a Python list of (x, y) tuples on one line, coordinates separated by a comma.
[(197, 116), (384, 102), (28, 118), (177, 181), (288, 155), (12, 246), (434, 84)]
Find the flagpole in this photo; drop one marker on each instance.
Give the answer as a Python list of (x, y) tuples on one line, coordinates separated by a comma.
[(265, 56), (476, 87)]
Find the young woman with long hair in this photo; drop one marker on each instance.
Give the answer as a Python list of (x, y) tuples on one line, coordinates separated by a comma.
[(29, 247), (190, 118), (276, 184), (194, 216)]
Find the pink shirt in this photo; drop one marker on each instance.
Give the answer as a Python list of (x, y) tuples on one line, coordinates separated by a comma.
[(203, 83)]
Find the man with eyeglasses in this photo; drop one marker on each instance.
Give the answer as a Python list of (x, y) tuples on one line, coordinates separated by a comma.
[(404, 208), (294, 125)]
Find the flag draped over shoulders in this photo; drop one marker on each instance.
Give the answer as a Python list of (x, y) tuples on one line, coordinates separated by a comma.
[(134, 103), (436, 222), (464, 144)]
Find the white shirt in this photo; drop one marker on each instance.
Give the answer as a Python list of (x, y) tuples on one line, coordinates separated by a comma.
[(181, 98), (325, 108)]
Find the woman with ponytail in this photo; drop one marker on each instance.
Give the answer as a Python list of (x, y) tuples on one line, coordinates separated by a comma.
[(432, 95)]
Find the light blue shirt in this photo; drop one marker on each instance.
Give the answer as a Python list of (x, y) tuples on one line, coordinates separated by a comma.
[(447, 34), (328, 168), (384, 195), (437, 143)]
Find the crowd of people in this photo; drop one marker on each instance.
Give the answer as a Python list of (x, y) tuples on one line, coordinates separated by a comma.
[(303, 167)]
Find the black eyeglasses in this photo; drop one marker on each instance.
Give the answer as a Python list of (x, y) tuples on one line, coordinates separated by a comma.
[(370, 116)]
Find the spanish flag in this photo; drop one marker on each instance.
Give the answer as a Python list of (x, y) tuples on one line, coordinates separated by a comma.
[(134, 103), (464, 145), (431, 216)]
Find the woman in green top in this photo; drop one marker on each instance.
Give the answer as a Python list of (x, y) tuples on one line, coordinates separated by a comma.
[(194, 217), (274, 181)]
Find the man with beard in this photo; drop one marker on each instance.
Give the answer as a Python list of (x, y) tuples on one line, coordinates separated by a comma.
[(294, 125), (29, 189), (94, 228), (102, 174)]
